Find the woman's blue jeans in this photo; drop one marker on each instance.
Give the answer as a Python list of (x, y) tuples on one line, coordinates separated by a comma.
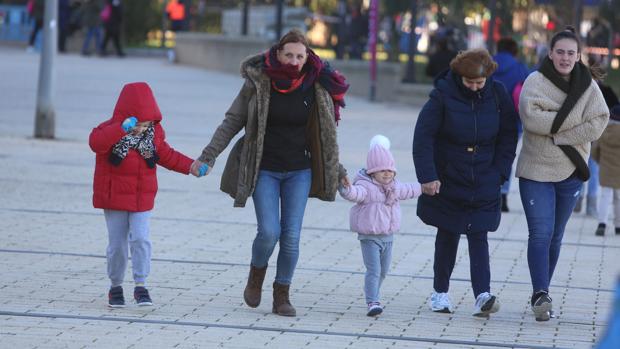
[(547, 206), (92, 31), (280, 201)]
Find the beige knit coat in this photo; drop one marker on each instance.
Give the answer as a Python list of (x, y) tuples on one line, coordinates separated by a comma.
[(540, 158)]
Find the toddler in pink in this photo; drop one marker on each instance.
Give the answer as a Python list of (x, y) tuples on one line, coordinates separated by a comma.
[(376, 215)]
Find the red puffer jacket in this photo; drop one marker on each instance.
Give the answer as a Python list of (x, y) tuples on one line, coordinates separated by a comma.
[(132, 185)]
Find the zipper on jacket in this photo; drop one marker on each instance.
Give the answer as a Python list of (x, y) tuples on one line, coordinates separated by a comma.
[(473, 155), (322, 156)]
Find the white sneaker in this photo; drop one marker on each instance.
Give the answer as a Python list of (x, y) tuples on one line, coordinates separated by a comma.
[(486, 304), (440, 302), (374, 309)]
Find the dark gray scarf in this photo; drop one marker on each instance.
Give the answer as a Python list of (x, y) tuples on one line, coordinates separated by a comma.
[(580, 81), (142, 143)]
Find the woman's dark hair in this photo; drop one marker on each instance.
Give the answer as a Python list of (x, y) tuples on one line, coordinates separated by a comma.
[(569, 32), (508, 45), (294, 36)]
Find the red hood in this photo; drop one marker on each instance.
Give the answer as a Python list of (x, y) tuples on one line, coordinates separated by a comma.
[(136, 99)]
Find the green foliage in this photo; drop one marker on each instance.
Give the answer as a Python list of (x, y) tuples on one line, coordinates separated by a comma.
[(140, 17), (392, 7), (210, 22), (613, 79), (610, 11), (324, 6)]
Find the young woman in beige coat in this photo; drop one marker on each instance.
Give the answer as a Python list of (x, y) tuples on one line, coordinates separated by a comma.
[(288, 106), (563, 111)]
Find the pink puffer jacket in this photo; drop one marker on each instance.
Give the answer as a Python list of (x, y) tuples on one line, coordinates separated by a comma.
[(377, 211)]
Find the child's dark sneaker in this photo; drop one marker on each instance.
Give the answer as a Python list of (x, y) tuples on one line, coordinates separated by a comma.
[(617, 230), (116, 298), (374, 309), (141, 295)]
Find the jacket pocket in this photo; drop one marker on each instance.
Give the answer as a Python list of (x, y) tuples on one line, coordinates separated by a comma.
[(230, 176)]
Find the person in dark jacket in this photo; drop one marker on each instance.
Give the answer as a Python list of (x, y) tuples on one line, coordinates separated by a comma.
[(38, 11), (511, 73), (463, 148), (113, 27), (91, 19), (64, 14), (440, 59)]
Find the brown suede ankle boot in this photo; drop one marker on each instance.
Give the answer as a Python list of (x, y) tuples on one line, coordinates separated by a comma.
[(253, 289), (281, 303)]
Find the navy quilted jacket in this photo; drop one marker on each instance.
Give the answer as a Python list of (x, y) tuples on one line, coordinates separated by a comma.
[(467, 140)]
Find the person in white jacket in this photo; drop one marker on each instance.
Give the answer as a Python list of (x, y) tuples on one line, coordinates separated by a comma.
[(376, 215)]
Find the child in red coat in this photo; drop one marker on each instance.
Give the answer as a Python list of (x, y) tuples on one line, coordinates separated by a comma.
[(128, 148)]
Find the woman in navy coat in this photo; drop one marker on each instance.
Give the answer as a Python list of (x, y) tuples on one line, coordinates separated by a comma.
[(463, 148)]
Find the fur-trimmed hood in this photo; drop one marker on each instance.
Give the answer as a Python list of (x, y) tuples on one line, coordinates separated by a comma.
[(252, 68)]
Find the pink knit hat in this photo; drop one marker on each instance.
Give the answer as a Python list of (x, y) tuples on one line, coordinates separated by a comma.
[(379, 156)]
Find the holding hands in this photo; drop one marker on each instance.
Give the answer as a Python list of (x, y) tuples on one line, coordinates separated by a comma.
[(345, 182), (199, 168), (431, 188)]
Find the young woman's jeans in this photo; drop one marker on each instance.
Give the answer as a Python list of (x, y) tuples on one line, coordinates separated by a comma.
[(446, 247), (377, 255), (285, 194), (90, 33), (547, 206)]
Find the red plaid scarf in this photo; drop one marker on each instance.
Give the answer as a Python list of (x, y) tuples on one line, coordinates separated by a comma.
[(286, 77)]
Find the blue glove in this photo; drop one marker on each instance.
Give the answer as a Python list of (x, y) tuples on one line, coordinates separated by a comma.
[(129, 123), (203, 170)]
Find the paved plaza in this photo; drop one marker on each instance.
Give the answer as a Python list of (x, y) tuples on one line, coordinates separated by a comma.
[(53, 282)]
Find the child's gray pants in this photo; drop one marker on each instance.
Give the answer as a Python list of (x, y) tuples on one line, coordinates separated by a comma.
[(377, 255), (128, 229)]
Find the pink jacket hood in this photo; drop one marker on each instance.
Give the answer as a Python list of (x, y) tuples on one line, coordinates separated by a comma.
[(373, 213)]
